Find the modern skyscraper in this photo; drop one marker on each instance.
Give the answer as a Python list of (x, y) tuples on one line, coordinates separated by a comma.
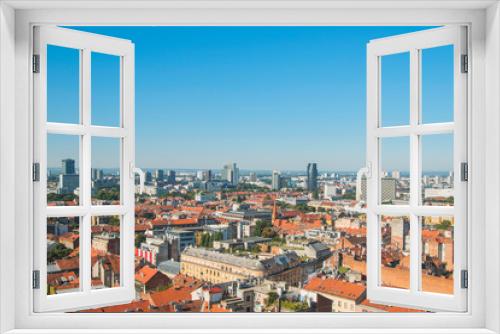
[(171, 176), (148, 177), (361, 186), (159, 176), (68, 179), (68, 167), (276, 180), (396, 174), (231, 173), (312, 177)]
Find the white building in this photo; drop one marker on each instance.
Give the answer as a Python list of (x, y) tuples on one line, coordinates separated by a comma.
[(330, 190), (361, 185), (275, 184), (231, 173)]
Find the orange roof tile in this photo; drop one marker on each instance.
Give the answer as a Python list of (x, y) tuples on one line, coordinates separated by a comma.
[(68, 264), (135, 306), (170, 295), (335, 287), (145, 274), (389, 308)]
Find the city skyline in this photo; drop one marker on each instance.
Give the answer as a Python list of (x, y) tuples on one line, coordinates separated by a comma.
[(266, 97)]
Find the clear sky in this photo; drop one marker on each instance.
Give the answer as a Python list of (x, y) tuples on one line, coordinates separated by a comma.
[(264, 97)]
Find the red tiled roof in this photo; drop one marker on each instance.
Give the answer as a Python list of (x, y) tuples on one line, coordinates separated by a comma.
[(70, 236), (214, 308), (68, 264), (335, 287), (135, 306), (184, 221), (197, 209), (145, 274), (159, 222), (389, 308), (170, 295), (58, 278)]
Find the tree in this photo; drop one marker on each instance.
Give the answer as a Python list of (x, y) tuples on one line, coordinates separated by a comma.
[(60, 197), (114, 221), (260, 225), (205, 240), (271, 298), (303, 208), (444, 225), (108, 194), (139, 239), (57, 252), (295, 306), (268, 232)]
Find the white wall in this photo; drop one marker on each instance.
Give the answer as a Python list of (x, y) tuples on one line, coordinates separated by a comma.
[(492, 212), (6, 165)]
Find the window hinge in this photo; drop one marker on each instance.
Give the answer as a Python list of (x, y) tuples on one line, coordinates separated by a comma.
[(36, 279), (36, 63), (36, 172), (464, 170), (465, 63), (464, 279)]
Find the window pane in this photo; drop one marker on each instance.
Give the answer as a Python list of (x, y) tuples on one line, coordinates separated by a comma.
[(63, 84), (437, 254), (63, 258), (105, 251), (106, 171), (437, 169), (63, 166), (105, 89), (394, 187), (395, 252), (437, 84), (395, 89)]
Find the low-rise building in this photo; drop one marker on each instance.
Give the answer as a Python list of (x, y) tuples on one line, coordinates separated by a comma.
[(333, 295), (218, 267), (148, 279)]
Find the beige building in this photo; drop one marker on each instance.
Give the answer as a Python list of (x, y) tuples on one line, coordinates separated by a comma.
[(106, 243), (218, 267), (334, 295)]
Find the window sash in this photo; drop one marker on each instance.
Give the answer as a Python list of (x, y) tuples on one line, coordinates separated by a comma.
[(86, 43), (413, 43)]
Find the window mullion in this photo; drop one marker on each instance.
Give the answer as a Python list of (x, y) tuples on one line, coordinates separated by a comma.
[(414, 168), (85, 174)]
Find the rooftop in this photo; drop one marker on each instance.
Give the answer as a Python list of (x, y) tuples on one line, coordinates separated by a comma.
[(224, 258), (335, 287)]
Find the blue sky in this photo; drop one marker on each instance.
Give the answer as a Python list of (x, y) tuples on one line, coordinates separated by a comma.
[(264, 97)]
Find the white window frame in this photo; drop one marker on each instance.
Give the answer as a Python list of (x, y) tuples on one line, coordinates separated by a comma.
[(18, 17), (85, 43), (412, 44)]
